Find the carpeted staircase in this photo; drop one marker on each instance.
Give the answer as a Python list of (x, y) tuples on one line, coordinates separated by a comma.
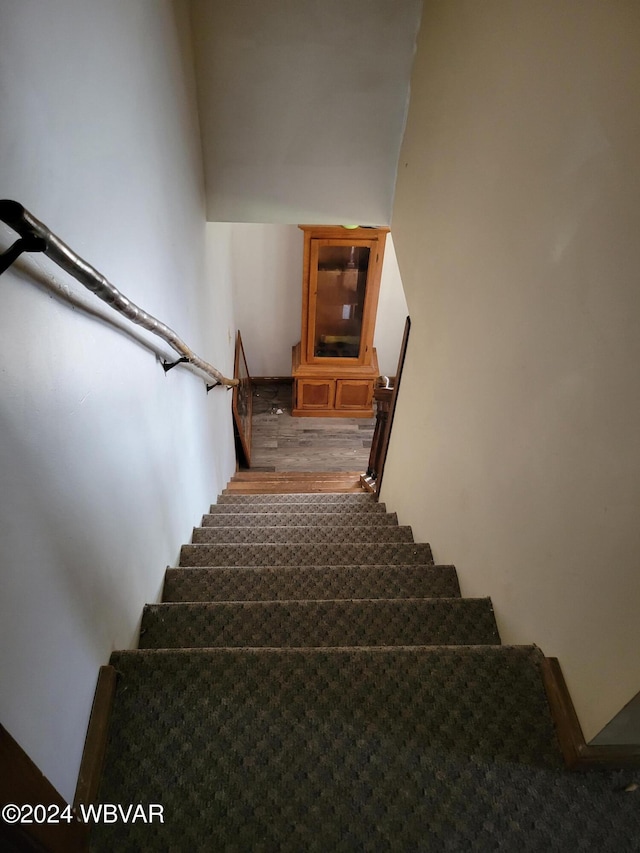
[(312, 682)]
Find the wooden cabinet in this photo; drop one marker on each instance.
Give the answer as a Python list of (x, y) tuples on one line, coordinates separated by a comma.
[(335, 366)]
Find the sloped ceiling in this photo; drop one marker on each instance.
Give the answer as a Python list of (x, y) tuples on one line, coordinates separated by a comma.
[(302, 106)]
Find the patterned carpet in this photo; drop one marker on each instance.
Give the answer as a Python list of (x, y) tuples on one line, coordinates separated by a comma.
[(328, 553), (275, 509), (308, 624), (298, 519), (305, 704), (318, 583), (299, 535)]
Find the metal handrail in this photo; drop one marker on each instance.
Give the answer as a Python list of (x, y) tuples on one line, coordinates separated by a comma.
[(36, 237)]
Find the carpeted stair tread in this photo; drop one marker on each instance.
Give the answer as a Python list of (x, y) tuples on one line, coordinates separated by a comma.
[(364, 622), (354, 499), (261, 507), (375, 750), (299, 519), (287, 583), (357, 554), (336, 534)]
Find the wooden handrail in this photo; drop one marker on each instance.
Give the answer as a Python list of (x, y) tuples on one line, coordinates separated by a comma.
[(36, 237)]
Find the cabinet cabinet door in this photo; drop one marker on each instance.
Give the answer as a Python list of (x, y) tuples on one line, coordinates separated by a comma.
[(342, 300), (354, 394), (315, 393)]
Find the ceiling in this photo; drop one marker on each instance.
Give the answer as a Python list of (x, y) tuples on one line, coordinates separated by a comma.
[(302, 106)]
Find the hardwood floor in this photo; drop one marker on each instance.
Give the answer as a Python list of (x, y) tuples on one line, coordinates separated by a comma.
[(280, 442)]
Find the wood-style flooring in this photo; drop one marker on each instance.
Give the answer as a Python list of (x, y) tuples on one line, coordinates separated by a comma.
[(280, 442)]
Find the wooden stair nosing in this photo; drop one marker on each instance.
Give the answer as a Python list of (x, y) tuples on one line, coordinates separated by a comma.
[(350, 498), (293, 476)]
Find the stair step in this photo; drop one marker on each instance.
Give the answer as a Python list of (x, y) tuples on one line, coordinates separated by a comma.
[(331, 507), (318, 583), (350, 749), (414, 553), (300, 535), (355, 499), (283, 488), (335, 696), (293, 519), (292, 624)]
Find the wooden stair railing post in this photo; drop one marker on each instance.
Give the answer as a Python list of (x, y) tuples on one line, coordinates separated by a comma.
[(382, 397), (372, 480)]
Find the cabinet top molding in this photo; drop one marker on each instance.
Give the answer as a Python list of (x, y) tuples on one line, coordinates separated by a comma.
[(342, 232)]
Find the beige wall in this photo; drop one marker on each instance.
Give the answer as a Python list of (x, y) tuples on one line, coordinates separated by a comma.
[(516, 446), (392, 312)]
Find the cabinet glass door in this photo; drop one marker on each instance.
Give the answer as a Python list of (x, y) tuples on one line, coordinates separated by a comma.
[(341, 283)]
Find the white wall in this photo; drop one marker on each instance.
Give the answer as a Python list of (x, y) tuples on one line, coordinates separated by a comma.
[(303, 106), (267, 281), (105, 463), (515, 448), (266, 271)]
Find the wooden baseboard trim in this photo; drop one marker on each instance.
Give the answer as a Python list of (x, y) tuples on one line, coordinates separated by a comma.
[(332, 413), (22, 783), (268, 380), (95, 744), (578, 755)]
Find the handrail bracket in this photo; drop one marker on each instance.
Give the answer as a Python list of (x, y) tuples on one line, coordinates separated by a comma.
[(23, 244), (169, 365)]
